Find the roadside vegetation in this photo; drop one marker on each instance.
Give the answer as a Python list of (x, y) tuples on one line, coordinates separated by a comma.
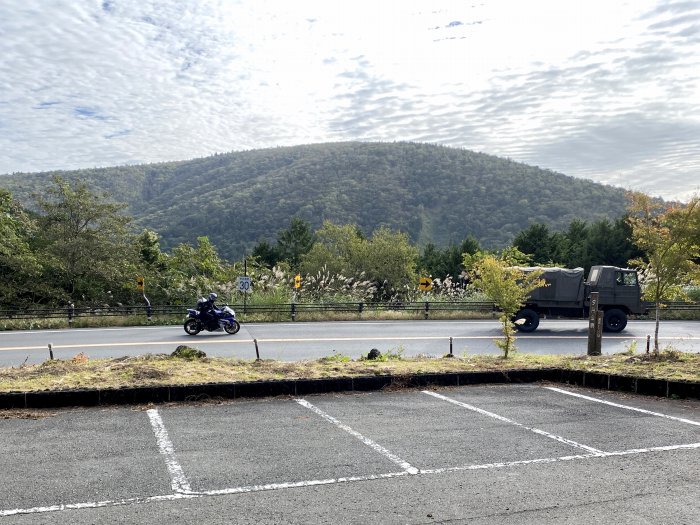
[(188, 366), (77, 247)]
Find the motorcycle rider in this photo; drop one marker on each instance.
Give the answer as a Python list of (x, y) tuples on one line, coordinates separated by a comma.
[(208, 308)]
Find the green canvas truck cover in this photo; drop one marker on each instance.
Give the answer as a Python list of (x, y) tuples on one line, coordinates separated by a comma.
[(564, 284)]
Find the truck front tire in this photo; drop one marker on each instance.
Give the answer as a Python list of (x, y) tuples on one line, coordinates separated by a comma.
[(614, 320), (531, 320)]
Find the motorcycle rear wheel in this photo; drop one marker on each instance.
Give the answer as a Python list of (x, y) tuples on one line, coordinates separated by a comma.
[(233, 327), (192, 326)]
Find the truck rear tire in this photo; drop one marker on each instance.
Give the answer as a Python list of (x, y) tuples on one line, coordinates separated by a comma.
[(531, 320), (614, 320)]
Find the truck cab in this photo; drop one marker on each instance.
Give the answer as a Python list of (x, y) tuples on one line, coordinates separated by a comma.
[(618, 288)]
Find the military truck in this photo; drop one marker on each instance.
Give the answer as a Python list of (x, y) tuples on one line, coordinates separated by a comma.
[(568, 295)]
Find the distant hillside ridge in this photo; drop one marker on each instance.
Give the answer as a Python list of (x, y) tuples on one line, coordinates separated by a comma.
[(434, 193)]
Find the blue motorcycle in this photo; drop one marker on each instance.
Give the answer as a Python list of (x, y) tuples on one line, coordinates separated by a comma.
[(215, 319)]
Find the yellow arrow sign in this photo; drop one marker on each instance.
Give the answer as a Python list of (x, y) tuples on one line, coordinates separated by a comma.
[(426, 284)]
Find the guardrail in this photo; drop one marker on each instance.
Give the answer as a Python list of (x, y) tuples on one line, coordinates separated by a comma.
[(291, 309)]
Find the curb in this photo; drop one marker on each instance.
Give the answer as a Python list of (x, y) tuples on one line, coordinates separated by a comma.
[(303, 387)]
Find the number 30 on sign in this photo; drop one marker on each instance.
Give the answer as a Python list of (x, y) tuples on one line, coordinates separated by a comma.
[(245, 284)]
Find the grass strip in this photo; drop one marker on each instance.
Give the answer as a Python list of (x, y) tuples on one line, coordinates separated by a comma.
[(81, 372)]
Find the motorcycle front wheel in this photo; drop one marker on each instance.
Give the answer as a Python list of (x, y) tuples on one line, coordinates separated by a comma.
[(233, 327), (192, 326)]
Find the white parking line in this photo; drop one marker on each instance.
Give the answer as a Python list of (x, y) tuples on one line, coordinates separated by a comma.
[(510, 421), (95, 504), (485, 466), (278, 486), (297, 484), (618, 405), (376, 446), (178, 480)]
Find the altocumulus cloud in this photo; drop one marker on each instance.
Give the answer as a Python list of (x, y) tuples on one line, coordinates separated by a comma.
[(597, 89)]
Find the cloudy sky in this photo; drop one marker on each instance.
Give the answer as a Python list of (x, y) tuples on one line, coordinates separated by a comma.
[(603, 89)]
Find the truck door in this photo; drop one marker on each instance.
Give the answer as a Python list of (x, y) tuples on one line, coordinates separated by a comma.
[(627, 289)]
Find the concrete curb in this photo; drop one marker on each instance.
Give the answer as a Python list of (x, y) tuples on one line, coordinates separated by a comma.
[(303, 387)]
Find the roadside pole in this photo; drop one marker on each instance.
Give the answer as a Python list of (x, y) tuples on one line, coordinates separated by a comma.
[(595, 326), (141, 287)]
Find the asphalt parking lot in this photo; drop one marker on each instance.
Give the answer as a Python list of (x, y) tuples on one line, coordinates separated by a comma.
[(478, 454)]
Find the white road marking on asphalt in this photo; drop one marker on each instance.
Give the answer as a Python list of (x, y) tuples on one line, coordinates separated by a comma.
[(297, 484), (9, 333), (178, 480), (484, 466), (618, 405), (376, 446), (510, 421), (278, 486), (96, 504), (136, 343)]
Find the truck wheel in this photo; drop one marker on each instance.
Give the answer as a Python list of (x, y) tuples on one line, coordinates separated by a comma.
[(531, 320), (614, 320)]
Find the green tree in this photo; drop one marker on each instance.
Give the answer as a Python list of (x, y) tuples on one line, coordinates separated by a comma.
[(446, 262), (195, 271), (295, 241), (334, 250), (86, 241), (537, 242), (507, 286), (668, 236), (19, 264), (387, 258), (572, 246), (152, 264), (149, 249), (266, 254)]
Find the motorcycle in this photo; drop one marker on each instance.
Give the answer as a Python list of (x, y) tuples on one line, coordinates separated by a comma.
[(224, 318)]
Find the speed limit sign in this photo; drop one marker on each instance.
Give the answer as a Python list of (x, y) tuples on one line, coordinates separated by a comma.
[(245, 284)]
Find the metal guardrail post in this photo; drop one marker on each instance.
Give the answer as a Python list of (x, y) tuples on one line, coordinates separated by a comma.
[(71, 313), (360, 307), (427, 306), (294, 312)]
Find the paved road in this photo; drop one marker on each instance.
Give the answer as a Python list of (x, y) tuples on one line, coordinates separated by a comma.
[(490, 454), (294, 341)]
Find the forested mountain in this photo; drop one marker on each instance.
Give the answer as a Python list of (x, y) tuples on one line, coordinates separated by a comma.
[(434, 193)]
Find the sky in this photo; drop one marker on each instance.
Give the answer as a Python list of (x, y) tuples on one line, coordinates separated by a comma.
[(607, 90)]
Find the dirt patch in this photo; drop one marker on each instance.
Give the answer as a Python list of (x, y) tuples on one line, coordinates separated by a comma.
[(25, 414)]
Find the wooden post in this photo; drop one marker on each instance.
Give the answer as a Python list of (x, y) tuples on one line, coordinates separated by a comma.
[(595, 326)]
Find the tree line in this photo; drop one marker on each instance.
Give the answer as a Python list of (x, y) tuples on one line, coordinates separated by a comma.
[(433, 193), (77, 246)]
